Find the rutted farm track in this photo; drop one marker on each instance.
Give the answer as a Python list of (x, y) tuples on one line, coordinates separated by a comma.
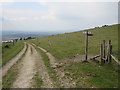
[(30, 63)]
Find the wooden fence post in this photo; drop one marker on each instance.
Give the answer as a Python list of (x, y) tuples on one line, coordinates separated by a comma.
[(101, 53), (86, 49), (109, 51), (107, 54), (104, 50), (110, 54)]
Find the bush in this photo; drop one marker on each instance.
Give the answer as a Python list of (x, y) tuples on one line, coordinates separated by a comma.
[(7, 46)]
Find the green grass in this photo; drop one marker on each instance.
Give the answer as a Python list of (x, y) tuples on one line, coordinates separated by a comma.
[(37, 81), (8, 53), (67, 45), (51, 71), (9, 78), (106, 76)]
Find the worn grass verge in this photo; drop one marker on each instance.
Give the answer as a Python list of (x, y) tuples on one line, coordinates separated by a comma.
[(12, 73), (13, 50), (51, 71)]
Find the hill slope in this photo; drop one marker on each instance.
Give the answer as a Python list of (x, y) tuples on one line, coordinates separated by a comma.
[(65, 46), (69, 44)]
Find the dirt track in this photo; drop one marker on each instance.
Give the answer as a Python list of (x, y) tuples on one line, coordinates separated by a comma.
[(29, 65), (66, 81), (32, 63)]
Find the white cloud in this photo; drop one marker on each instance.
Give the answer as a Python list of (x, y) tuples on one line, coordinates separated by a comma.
[(62, 16), (46, 1), (6, 1), (19, 19), (77, 1)]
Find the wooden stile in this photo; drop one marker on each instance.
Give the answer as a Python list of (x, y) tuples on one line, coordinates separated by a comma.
[(106, 56)]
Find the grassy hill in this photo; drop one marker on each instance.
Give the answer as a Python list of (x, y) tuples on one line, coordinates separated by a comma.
[(69, 44)]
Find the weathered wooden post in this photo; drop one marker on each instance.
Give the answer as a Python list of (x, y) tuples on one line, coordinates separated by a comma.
[(107, 54), (104, 53), (86, 49), (110, 54), (109, 51), (101, 53), (86, 43)]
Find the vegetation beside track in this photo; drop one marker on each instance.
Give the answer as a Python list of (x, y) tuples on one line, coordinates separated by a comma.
[(9, 50)]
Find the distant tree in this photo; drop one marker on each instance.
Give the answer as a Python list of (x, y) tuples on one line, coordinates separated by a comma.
[(104, 25), (28, 38), (96, 27), (7, 46), (16, 40), (20, 38)]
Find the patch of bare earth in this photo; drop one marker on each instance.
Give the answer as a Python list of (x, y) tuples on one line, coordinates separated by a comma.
[(65, 81), (31, 63), (77, 58)]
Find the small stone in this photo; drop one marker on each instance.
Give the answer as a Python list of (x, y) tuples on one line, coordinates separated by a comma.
[(94, 75), (91, 74), (99, 66), (54, 67), (71, 79), (67, 73), (74, 83)]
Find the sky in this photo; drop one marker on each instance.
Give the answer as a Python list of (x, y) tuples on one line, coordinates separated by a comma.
[(56, 15)]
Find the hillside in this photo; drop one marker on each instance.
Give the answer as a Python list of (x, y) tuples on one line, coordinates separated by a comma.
[(55, 61), (69, 44), (70, 47)]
